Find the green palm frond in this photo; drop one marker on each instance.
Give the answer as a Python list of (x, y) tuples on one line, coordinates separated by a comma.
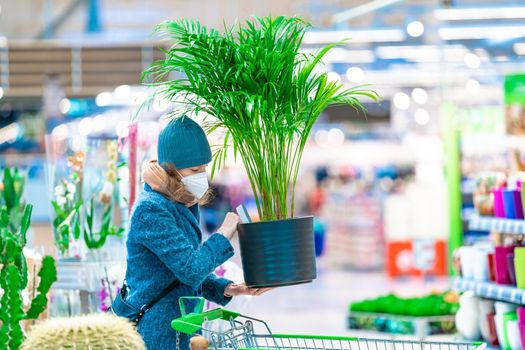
[(252, 80)]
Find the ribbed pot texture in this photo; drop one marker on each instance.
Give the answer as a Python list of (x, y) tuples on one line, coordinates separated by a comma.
[(278, 253)]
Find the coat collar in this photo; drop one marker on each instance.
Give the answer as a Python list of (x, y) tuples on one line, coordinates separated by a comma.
[(191, 213)]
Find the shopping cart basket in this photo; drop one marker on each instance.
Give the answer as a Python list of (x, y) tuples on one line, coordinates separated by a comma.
[(240, 334)]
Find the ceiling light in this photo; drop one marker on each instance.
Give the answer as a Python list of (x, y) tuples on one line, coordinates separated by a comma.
[(333, 77), (60, 132), (421, 116), (472, 60), (519, 49), (77, 144), (420, 96), (482, 32), (422, 53), (415, 29), (336, 137), (10, 133), (321, 137), (103, 99), (401, 101), (357, 11), (354, 36), (346, 56), (473, 86), (99, 122), (85, 126), (342, 55), (122, 91), (459, 14), (64, 105), (355, 75)]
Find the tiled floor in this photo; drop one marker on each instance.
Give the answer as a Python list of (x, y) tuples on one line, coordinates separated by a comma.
[(320, 307)]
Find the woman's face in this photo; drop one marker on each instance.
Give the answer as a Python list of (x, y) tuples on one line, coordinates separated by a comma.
[(193, 170)]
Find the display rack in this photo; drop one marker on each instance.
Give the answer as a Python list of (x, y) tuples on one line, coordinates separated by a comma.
[(355, 236), (77, 275), (492, 291), (420, 327), (84, 278), (487, 223)]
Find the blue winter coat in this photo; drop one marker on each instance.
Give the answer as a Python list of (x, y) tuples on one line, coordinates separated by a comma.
[(164, 244)]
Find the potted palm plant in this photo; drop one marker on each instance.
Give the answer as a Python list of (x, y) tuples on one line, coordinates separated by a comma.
[(253, 82)]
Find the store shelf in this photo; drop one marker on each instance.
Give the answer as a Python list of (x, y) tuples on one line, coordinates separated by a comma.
[(491, 290), (77, 275), (421, 327), (487, 223)]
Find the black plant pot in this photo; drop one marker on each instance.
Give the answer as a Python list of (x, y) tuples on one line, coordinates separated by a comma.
[(278, 253)]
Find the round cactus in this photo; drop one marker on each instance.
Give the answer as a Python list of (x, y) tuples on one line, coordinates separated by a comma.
[(97, 331)]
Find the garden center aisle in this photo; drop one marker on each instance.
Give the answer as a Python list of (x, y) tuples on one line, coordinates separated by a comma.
[(321, 307)]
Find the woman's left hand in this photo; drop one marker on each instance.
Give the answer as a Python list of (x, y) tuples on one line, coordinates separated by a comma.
[(233, 290)]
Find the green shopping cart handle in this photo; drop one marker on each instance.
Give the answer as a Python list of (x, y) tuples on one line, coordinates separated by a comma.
[(191, 323), (198, 308)]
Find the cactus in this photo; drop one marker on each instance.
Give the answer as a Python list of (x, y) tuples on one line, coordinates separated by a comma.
[(11, 190), (13, 271), (96, 331)]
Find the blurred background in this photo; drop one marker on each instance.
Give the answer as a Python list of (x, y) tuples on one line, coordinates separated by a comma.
[(391, 189)]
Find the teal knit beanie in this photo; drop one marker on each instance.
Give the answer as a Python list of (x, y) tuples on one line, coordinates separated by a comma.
[(183, 143)]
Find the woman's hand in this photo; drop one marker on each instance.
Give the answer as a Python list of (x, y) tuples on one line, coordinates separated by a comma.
[(229, 225), (233, 290)]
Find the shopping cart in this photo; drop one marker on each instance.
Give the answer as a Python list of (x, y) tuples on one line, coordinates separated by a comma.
[(240, 334)]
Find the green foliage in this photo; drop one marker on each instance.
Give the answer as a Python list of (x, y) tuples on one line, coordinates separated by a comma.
[(13, 268), (430, 305), (66, 222), (11, 191), (98, 331), (253, 81), (47, 275), (96, 240)]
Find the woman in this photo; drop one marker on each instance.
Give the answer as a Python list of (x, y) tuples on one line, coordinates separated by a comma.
[(164, 239)]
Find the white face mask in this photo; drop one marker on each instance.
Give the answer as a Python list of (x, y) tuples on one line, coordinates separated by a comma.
[(196, 184)]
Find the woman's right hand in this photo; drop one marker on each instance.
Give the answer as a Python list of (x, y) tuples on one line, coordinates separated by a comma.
[(229, 225)]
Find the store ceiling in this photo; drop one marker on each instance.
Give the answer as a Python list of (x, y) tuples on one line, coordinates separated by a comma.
[(140, 16), (457, 35)]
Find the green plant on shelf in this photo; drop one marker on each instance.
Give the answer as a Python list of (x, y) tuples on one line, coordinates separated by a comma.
[(74, 217), (106, 198), (430, 305), (66, 207), (66, 204), (96, 240), (14, 280), (253, 82)]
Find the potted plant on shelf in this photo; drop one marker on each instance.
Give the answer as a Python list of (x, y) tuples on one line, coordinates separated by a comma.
[(254, 82)]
